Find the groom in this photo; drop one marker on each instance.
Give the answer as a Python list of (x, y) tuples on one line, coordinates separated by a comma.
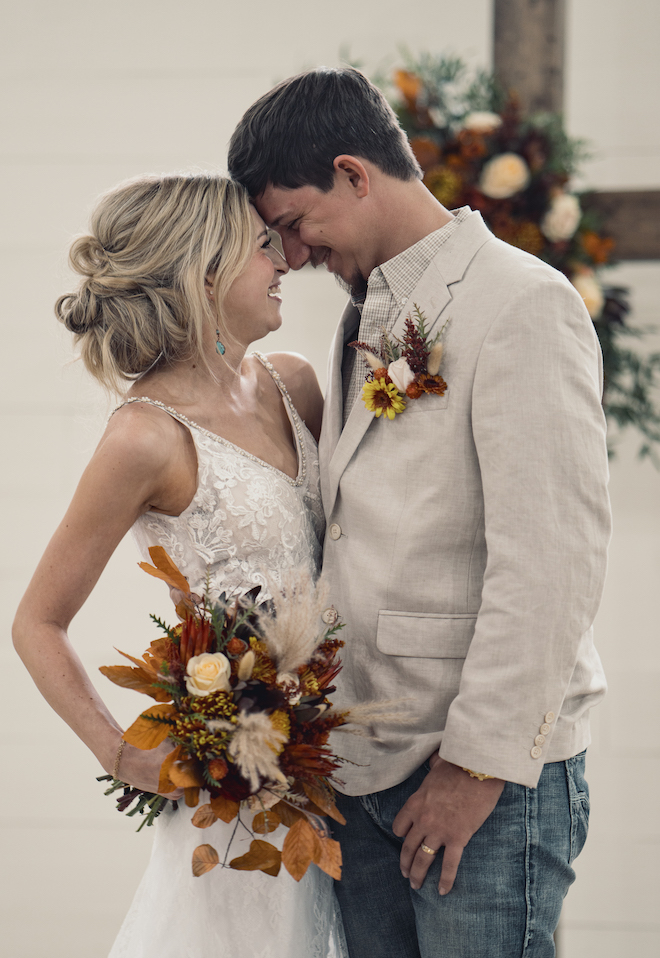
[(466, 539)]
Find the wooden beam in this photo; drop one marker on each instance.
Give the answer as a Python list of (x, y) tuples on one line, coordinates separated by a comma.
[(528, 51), (632, 218)]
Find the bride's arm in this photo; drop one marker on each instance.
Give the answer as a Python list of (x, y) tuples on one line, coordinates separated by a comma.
[(299, 377), (128, 474)]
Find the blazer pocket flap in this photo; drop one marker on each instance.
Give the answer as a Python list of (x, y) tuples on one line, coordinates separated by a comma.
[(429, 635)]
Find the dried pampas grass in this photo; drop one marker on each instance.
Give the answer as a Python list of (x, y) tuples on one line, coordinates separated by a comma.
[(255, 746), (294, 632)]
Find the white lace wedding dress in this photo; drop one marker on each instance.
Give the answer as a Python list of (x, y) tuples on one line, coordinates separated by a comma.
[(246, 518)]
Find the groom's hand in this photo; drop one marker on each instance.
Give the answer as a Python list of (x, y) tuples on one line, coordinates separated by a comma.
[(446, 811)]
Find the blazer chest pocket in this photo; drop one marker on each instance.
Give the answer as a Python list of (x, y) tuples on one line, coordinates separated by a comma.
[(426, 635), (427, 403)]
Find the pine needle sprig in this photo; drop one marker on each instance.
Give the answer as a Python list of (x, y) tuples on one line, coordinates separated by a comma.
[(165, 628)]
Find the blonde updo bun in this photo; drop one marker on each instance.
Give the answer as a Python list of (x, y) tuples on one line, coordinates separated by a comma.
[(152, 243)]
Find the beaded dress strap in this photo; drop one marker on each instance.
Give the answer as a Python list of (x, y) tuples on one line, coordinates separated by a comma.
[(292, 412)]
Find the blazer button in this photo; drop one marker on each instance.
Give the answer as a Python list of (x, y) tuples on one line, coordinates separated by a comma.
[(539, 740), (329, 616), (335, 531), (550, 717), (545, 728), (536, 752)]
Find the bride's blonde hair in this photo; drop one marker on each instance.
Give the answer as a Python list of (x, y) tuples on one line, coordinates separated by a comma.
[(152, 243)]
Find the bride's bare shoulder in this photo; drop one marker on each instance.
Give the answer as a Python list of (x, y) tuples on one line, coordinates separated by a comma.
[(301, 381)]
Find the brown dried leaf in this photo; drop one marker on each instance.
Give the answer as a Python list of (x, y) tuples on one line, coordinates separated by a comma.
[(320, 798), (148, 733), (288, 814), (165, 569), (225, 808), (329, 860), (137, 679), (265, 822), (262, 856), (300, 848), (186, 774), (191, 796), (141, 664), (165, 783), (204, 817), (204, 859)]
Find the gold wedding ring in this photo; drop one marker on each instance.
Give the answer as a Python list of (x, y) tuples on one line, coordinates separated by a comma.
[(429, 851)]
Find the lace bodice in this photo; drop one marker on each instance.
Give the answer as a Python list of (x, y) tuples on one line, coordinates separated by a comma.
[(247, 518)]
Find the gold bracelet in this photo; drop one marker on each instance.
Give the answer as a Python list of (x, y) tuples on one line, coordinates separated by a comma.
[(480, 775), (115, 770)]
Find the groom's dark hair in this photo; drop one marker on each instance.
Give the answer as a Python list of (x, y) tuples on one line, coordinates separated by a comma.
[(290, 136)]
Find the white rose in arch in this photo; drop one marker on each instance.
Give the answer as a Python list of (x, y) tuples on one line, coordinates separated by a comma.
[(401, 374), (482, 121), (208, 672), (563, 217), (591, 292), (503, 176)]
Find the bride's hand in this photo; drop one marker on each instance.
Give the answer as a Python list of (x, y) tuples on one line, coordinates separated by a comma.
[(141, 768)]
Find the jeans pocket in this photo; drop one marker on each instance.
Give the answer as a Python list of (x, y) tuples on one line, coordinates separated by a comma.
[(578, 792)]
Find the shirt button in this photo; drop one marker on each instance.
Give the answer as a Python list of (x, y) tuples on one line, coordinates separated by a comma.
[(545, 728), (334, 530), (550, 717), (535, 752), (330, 616), (539, 740), (404, 300)]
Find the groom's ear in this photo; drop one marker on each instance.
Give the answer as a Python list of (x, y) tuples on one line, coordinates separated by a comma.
[(353, 172)]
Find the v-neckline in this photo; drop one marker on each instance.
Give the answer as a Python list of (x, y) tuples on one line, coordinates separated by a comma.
[(292, 415)]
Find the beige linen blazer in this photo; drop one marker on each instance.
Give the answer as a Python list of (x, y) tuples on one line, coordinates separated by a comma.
[(466, 540)]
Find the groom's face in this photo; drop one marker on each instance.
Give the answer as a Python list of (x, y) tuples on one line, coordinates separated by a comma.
[(318, 228)]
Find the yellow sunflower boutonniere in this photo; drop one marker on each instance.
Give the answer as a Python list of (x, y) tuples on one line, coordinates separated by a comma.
[(380, 395), (406, 368)]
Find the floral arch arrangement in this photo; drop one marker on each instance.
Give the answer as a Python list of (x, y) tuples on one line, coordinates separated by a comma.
[(477, 149)]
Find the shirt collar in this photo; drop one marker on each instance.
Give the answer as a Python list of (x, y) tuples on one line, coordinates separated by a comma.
[(402, 273)]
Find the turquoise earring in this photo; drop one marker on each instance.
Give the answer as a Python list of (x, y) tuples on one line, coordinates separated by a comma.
[(220, 347)]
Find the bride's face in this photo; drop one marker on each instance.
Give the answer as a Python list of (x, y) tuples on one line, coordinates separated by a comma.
[(252, 304)]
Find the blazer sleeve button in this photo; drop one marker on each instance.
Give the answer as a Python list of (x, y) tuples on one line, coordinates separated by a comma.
[(536, 752), (539, 740), (545, 728), (549, 717)]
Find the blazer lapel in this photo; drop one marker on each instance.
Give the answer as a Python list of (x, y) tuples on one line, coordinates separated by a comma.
[(431, 295)]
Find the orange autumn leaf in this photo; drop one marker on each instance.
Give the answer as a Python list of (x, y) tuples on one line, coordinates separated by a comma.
[(150, 728), (204, 817), (262, 856), (140, 663), (225, 808), (204, 859), (265, 822), (191, 796), (323, 800), (165, 783), (329, 859), (409, 84), (288, 814), (137, 679), (164, 568), (300, 849), (186, 774)]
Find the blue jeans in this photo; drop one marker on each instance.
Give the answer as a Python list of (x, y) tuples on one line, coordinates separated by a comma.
[(512, 879)]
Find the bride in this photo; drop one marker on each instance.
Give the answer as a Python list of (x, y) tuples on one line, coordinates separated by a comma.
[(212, 455)]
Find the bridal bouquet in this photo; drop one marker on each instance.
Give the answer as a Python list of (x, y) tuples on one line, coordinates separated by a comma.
[(241, 693)]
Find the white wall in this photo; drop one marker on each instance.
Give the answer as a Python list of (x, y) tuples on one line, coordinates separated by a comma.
[(95, 93)]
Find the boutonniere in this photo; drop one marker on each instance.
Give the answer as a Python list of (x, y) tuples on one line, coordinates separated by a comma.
[(405, 368)]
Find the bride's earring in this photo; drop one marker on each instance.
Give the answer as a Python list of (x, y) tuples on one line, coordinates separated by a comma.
[(220, 347)]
